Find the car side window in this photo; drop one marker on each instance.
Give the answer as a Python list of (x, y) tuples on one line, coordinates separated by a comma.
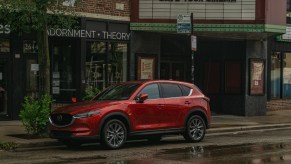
[(171, 90), (152, 90), (186, 90)]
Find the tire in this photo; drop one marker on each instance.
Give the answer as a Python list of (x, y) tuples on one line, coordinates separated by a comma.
[(114, 134), (71, 143), (195, 129)]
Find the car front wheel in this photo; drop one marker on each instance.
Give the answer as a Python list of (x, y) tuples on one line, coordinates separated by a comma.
[(195, 129), (114, 134)]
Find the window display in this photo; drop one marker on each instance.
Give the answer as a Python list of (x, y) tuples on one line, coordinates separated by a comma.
[(4, 45), (106, 63)]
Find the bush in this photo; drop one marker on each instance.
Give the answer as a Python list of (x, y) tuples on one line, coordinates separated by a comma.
[(90, 92), (35, 113), (8, 146)]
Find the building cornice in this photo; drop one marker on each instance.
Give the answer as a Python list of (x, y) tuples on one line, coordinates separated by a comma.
[(171, 27)]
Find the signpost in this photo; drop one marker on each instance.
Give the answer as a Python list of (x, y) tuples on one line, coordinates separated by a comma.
[(184, 26)]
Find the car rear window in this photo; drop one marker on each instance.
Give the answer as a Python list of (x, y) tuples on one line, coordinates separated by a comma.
[(171, 90), (186, 90)]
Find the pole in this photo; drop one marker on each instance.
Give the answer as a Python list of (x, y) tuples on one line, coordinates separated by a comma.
[(192, 52)]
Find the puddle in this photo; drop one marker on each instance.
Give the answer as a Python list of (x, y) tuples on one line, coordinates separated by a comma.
[(250, 154)]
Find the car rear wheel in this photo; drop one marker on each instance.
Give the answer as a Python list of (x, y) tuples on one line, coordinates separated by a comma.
[(114, 134), (195, 129)]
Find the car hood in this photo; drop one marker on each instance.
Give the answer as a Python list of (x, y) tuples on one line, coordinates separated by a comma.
[(86, 106)]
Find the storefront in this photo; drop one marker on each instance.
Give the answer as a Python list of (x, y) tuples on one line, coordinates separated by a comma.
[(231, 58), (5, 68), (280, 67), (92, 56), (18, 58)]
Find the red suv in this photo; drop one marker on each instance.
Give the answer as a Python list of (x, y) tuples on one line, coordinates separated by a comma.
[(148, 109)]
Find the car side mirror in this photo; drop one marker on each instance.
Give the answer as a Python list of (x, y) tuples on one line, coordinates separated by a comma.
[(142, 97)]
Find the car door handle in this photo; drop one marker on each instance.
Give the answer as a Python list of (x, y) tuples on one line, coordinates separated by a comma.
[(187, 102)]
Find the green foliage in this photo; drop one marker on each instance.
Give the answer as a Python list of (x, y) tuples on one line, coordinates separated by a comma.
[(28, 16), (90, 92), (8, 146), (35, 113)]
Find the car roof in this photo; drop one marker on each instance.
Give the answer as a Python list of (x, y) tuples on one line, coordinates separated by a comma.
[(153, 81)]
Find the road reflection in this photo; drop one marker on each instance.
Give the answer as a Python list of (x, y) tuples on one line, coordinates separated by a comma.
[(235, 154), (250, 154)]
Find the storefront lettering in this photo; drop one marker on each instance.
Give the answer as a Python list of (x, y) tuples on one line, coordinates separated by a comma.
[(5, 29), (89, 34), (116, 35), (198, 0)]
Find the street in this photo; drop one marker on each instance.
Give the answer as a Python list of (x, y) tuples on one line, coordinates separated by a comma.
[(254, 147)]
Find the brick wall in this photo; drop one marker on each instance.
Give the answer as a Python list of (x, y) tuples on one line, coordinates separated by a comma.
[(105, 7)]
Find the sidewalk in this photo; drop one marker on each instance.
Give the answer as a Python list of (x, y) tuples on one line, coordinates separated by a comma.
[(13, 131)]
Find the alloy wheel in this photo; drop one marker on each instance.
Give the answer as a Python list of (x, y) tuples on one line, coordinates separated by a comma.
[(114, 134), (195, 130)]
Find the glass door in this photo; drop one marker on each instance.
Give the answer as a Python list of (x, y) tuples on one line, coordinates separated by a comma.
[(276, 75), (63, 72)]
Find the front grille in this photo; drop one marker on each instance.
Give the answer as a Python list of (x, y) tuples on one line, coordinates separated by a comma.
[(61, 119)]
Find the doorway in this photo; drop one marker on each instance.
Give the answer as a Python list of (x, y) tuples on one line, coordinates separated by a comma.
[(4, 66), (64, 71), (172, 71)]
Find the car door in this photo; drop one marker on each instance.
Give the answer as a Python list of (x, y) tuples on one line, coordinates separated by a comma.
[(146, 115), (174, 105)]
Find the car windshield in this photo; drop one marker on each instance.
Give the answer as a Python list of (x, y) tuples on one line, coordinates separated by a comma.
[(117, 92)]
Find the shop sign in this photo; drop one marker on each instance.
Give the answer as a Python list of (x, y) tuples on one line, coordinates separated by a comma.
[(5, 29), (201, 9), (75, 33)]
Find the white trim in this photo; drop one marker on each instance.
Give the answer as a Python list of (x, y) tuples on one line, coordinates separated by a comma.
[(102, 16)]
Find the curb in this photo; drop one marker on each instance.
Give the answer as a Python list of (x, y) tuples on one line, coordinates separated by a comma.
[(47, 142)]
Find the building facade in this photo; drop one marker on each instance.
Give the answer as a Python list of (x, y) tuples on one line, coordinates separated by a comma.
[(232, 48), (239, 62), (92, 56)]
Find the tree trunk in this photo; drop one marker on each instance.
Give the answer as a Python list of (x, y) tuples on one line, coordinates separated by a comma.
[(44, 62)]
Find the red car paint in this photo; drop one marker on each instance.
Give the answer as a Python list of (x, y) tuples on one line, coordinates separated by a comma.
[(153, 116)]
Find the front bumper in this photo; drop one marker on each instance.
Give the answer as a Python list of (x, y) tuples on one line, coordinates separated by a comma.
[(80, 128)]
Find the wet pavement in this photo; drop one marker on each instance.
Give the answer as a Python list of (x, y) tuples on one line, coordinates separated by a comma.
[(248, 148), (254, 153), (235, 154)]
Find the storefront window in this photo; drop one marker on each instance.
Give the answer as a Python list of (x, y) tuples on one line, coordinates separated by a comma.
[(95, 64), (32, 69), (105, 64), (275, 75), (117, 62), (4, 45), (287, 75)]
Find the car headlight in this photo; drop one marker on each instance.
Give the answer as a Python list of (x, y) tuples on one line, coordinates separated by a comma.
[(86, 114)]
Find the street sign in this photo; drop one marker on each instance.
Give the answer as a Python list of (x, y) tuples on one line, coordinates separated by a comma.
[(193, 43), (183, 24)]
